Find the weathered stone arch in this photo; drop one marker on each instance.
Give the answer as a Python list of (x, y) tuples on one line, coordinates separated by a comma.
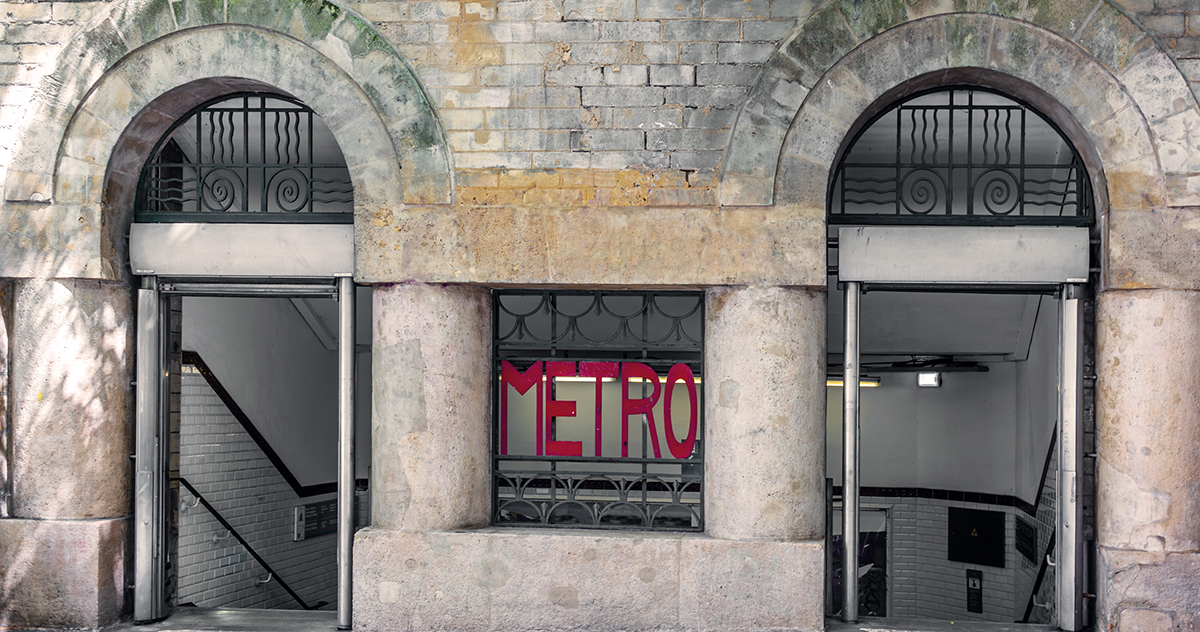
[(111, 75), (1114, 92), (1107, 74)]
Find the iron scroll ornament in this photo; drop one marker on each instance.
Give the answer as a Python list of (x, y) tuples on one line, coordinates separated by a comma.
[(961, 156), (255, 157)]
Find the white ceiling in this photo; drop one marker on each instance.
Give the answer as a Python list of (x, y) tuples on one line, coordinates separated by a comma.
[(927, 323)]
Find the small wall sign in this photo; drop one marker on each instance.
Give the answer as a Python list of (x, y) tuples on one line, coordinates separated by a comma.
[(974, 591), (314, 519)]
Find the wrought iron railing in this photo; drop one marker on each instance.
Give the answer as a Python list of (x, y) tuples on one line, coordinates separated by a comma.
[(248, 157), (627, 349), (961, 156)]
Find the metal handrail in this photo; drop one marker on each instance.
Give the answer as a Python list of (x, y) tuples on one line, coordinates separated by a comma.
[(1037, 584), (228, 527)]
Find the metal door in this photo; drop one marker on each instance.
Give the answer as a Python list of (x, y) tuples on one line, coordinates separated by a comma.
[(152, 439)]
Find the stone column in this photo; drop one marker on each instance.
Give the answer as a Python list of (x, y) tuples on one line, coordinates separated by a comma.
[(1147, 470), (72, 367), (431, 426), (765, 413), (63, 553)]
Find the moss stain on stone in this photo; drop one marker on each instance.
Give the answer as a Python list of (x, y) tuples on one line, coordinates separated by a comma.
[(368, 39), (210, 11), (106, 43), (823, 39), (871, 18), (318, 15), (179, 10)]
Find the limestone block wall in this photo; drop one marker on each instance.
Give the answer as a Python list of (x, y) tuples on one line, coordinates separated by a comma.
[(610, 143)]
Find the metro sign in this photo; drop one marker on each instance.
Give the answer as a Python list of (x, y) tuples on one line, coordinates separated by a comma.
[(548, 408)]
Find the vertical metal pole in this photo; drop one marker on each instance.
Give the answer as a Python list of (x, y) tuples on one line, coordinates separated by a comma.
[(850, 376), (149, 471), (345, 523), (1069, 550)]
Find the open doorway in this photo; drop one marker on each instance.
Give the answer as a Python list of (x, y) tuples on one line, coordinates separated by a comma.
[(247, 359), (957, 472), (254, 457), (960, 228)]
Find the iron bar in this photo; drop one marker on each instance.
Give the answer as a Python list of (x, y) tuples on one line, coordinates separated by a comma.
[(207, 165), (850, 406), (346, 482)]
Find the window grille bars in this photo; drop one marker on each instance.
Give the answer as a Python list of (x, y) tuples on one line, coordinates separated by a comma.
[(532, 488), (961, 156), (246, 157)]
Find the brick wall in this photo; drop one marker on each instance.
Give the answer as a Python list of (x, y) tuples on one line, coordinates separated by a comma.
[(220, 459), (927, 585)]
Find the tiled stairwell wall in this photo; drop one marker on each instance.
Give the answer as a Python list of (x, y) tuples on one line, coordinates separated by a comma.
[(220, 460), (925, 584)]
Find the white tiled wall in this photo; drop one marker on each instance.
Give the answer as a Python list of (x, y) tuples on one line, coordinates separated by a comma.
[(925, 584), (1027, 573), (220, 459)]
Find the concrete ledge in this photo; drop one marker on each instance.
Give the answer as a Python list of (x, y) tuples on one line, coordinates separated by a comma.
[(62, 573), (525, 579)]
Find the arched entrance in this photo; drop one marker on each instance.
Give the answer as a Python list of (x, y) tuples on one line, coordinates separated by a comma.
[(134, 94), (959, 274), (247, 356)]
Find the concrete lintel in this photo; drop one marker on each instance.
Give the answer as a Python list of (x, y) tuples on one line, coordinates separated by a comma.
[(274, 250)]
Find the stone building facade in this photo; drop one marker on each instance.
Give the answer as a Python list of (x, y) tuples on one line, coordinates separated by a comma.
[(582, 144)]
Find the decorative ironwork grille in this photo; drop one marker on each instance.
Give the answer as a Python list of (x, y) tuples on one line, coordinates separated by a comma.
[(961, 156), (598, 410), (249, 157)]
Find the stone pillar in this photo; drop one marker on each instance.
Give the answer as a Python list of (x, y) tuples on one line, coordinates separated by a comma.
[(1147, 470), (72, 367), (64, 552), (765, 413), (431, 426)]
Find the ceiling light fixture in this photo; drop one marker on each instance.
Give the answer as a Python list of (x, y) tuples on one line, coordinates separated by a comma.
[(865, 381), (929, 379)]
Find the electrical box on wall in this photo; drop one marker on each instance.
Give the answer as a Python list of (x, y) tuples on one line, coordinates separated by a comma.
[(976, 537)]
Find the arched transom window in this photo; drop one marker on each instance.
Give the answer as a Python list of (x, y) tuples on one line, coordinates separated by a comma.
[(961, 156), (248, 157)]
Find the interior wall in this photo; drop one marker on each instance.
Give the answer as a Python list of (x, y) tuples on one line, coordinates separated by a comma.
[(220, 459), (283, 376), (1037, 401), (956, 437)]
